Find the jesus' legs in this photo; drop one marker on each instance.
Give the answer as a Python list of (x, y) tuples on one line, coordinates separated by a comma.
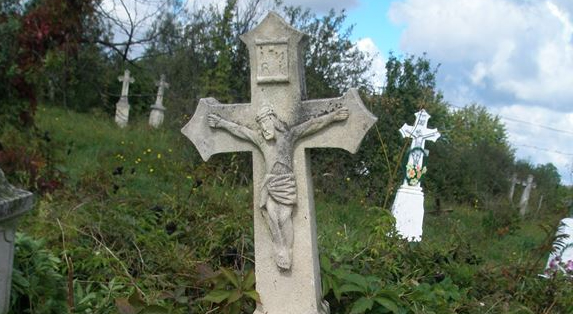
[(281, 232)]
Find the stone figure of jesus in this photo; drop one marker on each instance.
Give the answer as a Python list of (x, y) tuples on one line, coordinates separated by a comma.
[(276, 142)]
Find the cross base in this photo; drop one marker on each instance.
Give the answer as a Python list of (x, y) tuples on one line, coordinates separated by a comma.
[(122, 113), (324, 309), (408, 209)]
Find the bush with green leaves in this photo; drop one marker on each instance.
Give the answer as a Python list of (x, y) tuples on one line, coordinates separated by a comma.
[(37, 285)]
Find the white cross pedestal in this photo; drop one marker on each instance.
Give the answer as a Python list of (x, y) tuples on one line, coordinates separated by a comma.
[(279, 127), (408, 207), (13, 204), (561, 259), (157, 110), (122, 106)]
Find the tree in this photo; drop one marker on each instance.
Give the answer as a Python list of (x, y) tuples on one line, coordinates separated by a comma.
[(473, 160)]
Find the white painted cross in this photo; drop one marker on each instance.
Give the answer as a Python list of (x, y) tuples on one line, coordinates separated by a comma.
[(157, 110), (408, 207), (419, 133), (122, 106), (279, 127)]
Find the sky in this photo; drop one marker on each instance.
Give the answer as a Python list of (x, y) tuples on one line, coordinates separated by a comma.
[(515, 57)]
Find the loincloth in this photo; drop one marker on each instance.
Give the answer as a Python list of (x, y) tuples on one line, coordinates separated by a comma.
[(280, 187)]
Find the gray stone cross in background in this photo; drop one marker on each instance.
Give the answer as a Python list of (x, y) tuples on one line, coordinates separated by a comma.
[(278, 127), (524, 201), (157, 110), (122, 106)]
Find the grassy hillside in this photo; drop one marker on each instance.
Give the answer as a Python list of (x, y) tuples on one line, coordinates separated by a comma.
[(132, 220)]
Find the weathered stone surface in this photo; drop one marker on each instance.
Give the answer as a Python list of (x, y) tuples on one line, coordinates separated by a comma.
[(157, 110), (408, 207), (524, 201), (513, 182), (278, 127), (122, 106), (13, 203)]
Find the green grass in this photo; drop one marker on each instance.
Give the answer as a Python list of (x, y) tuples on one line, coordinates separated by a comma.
[(151, 226)]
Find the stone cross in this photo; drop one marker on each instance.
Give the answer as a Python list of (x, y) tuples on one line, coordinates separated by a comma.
[(279, 127), (408, 207), (13, 204), (524, 201), (419, 133), (157, 110), (512, 187), (122, 106)]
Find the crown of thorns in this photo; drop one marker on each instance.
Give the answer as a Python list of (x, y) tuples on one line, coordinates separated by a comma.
[(265, 112)]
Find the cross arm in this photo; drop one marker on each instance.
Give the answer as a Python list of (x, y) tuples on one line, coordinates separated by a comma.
[(346, 134), (316, 124), (406, 130), (433, 135), (210, 141)]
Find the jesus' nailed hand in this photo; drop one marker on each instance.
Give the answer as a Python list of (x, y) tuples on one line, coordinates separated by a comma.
[(276, 142)]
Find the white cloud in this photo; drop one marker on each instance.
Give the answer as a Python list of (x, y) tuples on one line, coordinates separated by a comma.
[(513, 56), (540, 144), (521, 50), (378, 69), (323, 6)]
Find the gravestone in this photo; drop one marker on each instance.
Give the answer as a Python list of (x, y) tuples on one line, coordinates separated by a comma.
[(157, 110), (279, 127), (122, 106), (561, 258), (13, 204), (512, 186), (524, 201), (408, 207)]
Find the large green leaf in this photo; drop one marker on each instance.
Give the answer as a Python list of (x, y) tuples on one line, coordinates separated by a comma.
[(231, 276), (154, 309), (362, 305), (356, 279), (387, 303), (249, 280), (234, 296), (253, 295), (350, 288), (217, 296)]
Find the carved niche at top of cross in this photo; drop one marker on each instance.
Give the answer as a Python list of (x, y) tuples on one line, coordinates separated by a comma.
[(277, 127)]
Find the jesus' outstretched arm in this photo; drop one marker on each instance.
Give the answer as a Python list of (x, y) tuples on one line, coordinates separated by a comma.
[(316, 124), (238, 130)]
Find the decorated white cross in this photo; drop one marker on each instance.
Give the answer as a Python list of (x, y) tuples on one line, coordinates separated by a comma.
[(419, 133), (408, 207), (279, 127)]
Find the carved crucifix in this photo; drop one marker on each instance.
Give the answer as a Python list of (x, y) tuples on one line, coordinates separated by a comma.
[(278, 127), (419, 133)]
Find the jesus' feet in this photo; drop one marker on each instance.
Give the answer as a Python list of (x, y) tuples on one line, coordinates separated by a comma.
[(283, 259)]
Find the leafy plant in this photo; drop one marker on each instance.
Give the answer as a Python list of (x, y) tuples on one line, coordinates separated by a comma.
[(233, 290)]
